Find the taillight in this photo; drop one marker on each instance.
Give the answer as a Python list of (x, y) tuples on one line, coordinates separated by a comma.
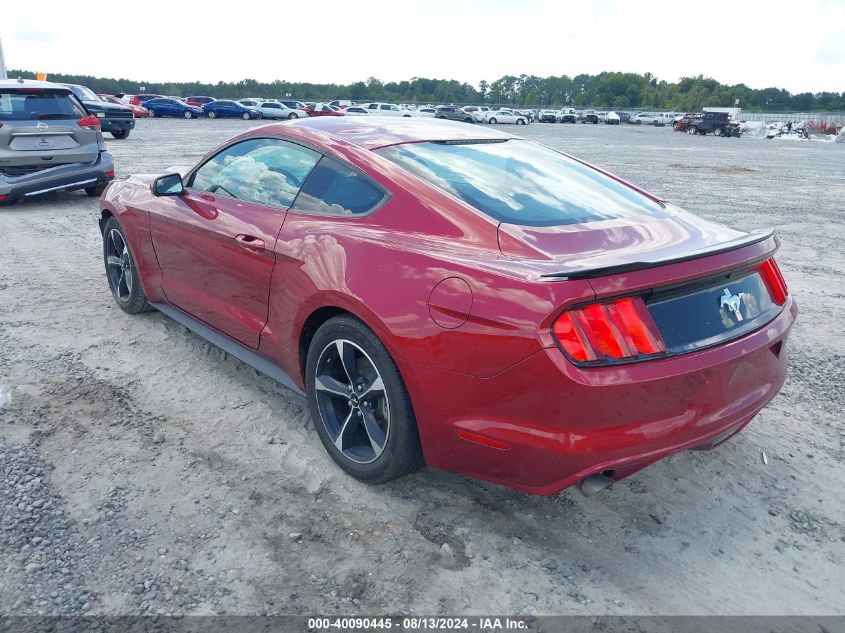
[(770, 273), (617, 330), (89, 123)]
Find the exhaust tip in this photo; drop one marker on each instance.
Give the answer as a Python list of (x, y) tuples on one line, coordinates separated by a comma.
[(594, 483)]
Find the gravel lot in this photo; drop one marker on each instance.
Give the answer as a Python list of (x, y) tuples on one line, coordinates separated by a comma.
[(144, 471)]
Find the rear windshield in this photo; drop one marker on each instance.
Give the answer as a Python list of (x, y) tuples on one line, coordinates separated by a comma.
[(519, 182), (22, 106)]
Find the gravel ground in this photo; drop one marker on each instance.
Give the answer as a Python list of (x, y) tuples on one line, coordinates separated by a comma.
[(144, 471)]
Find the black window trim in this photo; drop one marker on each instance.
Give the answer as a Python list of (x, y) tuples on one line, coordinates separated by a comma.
[(387, 195)]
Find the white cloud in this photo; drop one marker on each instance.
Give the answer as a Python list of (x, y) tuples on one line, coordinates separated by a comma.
[(778, 43)]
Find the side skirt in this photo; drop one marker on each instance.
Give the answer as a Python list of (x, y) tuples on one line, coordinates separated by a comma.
[(230, 346)]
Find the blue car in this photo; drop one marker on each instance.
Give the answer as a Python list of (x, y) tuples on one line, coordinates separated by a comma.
[(223, 108), (171, 107)]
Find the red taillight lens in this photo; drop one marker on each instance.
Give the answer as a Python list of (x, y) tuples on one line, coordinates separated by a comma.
[(618, 330), (770, 273), (109, 174), (89, 123)]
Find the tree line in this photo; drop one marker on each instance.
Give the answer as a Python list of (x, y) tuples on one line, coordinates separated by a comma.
[(608, 90)]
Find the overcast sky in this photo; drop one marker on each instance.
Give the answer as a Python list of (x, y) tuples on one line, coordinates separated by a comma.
[(799, 46)]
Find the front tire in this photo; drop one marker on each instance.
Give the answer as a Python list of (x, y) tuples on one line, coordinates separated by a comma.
[(120, 134), (246, 116), (492, 121), (693, 129), (293, 115), (359, 404), (188, 114), (151, 114), (212, 115), (122, 271)]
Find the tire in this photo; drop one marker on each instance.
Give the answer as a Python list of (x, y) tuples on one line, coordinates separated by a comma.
[(693, 129), (468, 120), (122, 272), (212, 114), (395, 433), (520, 121), (638, 122), (188, 114), (717, 131), (120, 134), (492, 121), (96, 191), (246, 116), (151, 114), (293, 115)]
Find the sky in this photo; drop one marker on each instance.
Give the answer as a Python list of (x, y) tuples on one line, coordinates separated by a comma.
[(799, 46)]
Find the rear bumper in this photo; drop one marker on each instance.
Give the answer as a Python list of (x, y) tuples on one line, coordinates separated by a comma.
[(564, 423), (67, 177)]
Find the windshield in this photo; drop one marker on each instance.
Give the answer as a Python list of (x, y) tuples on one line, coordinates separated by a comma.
[(85, 94), (31, 106), (520, 182)]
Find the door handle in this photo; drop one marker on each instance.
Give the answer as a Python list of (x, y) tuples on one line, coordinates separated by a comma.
[(250, 243)]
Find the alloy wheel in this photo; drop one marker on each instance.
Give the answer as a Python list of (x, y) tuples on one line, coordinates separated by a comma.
[(352, 401), (119, 266)]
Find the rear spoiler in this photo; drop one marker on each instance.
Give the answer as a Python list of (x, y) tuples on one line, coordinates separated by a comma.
[(754, 237)]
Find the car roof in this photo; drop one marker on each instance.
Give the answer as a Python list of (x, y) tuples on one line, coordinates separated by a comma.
[(377, 131), (31, 83)]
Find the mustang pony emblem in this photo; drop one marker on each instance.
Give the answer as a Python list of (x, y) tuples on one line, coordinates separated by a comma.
[(733, 302)]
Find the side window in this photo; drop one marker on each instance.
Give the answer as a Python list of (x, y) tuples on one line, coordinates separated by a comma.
[(263, 170), (335, 189)]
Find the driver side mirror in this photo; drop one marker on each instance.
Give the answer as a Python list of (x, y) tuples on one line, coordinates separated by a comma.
[(169, 185)]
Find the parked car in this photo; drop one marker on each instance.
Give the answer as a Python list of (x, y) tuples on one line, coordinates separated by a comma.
[(199, 101), (249, 103), (356, 111), (609, 301), (388, 109), (140, 99), (117, 120), (343, 104), (611, 118), (276, 110), (719, 123), (427, 112), (166, 106), (322, 109), (653, 118), (624, 117), (453, 113), (504, 116), (568, 115), (548, 116), (139, 112), (590, 116), (49, 142), (224, 108)]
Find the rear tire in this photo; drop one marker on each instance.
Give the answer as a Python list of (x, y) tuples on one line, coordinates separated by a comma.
[(151, 113), (492, 121), (212, 114), (122, 271), (693, 129), (120, 134), (293, 115), (96, 191), (393, 449)]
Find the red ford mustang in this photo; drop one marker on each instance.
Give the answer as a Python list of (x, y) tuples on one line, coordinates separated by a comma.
[(457, 296)]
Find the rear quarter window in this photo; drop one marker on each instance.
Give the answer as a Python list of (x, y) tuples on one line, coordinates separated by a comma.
[(335, 189)]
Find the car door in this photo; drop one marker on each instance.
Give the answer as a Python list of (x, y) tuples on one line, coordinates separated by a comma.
[(215, 243)]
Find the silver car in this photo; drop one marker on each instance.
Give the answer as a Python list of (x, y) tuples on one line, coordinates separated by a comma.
[(48, 142)]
